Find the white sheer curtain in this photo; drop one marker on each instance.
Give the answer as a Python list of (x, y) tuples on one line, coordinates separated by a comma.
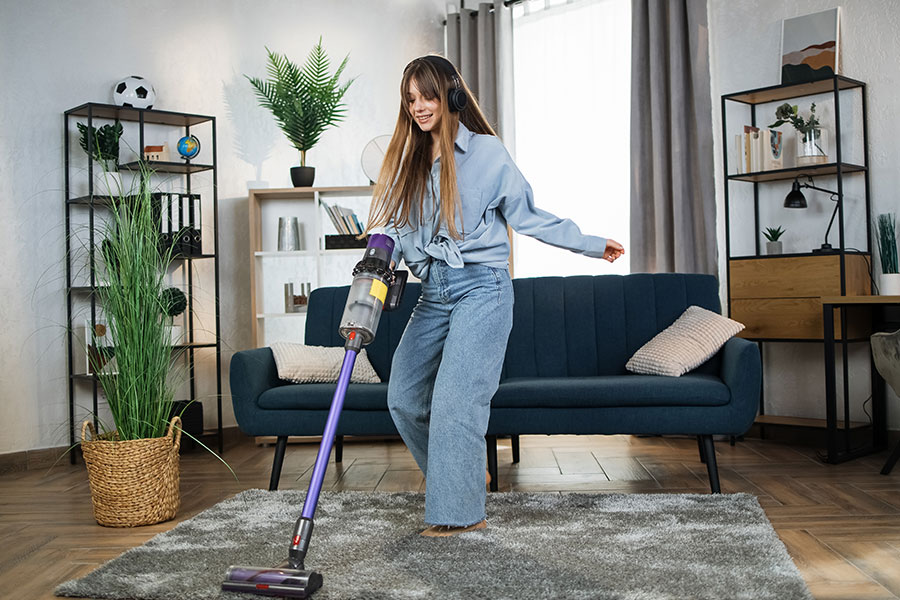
[(572, 106)]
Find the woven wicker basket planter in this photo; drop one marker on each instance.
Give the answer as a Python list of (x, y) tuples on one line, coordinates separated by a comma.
[(133, 482)]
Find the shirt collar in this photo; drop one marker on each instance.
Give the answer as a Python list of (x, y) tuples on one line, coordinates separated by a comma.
[(463, 135)]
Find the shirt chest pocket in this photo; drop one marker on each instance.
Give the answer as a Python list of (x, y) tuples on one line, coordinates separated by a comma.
[(471, 200)]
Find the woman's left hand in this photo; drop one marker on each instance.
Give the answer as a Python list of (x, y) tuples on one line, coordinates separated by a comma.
[(613, 250)]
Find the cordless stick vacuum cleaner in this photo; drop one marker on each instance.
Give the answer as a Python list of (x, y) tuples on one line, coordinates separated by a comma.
[(375, 287)]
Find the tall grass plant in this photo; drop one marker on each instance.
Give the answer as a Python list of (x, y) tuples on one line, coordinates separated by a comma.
[(131, 285)]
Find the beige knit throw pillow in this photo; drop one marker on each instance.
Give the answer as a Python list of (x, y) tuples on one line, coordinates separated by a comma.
[(319, 364), (685, 344)]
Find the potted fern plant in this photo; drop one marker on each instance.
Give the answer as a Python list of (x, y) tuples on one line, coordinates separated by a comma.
[(304, 101), (889, 282), (773, 239), (133, 467)]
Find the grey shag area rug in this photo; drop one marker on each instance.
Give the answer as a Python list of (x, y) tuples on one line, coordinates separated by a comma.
[(366, 545)]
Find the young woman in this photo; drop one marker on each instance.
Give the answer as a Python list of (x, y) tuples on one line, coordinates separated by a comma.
[(446, 193)]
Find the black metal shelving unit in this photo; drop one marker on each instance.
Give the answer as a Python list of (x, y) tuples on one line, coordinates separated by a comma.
[(839, 169), (91, 114), (778, 93)]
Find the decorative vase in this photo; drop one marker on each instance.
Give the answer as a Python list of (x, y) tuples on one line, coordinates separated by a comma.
[(133, 482), (812, 147), (289, 239), (773, 248), (303, 176), (889, 284)]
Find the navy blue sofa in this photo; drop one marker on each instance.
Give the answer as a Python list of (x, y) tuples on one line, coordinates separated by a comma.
[(564, 370)]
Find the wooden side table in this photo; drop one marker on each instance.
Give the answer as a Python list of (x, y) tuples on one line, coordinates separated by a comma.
[(840, 452)]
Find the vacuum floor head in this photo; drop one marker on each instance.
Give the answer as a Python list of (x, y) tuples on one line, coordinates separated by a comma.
[(278, 581)]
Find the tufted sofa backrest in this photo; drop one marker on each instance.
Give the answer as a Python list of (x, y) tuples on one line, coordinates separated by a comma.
[(562, 326), (591, 325)]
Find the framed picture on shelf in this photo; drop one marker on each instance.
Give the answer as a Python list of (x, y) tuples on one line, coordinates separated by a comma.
[(810, 47)]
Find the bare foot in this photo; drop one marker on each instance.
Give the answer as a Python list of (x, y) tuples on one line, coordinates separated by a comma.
[(447, 530)]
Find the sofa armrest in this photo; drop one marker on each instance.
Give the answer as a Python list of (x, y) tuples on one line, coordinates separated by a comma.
[(742, 372), (252, 373)]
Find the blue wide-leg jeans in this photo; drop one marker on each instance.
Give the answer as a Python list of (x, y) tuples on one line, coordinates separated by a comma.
[(444, 373)]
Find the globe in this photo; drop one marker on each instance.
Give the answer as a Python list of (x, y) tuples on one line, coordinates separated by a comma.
[(189, 146)]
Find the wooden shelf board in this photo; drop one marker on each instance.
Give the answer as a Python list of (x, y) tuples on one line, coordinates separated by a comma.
[(293, 193), (793, 172), (283, 254), (802, 422), (795, 254), (122, 113), (848, 300), (195, 345), (777, 93), (167, 167), (280, 315)]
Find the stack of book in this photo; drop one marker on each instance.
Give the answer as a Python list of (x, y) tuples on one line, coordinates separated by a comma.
[(758, 150), (345, 220), (348, 227)]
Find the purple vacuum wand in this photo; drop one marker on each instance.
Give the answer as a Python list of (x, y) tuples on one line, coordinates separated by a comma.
[(376, 287), (372, 281)]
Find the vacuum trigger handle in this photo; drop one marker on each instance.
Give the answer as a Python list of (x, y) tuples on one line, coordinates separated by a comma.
[(395, 291)]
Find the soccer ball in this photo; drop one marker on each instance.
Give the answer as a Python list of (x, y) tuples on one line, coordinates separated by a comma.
[(134, 92)]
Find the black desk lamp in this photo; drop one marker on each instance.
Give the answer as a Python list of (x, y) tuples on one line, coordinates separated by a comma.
[(796, 199)]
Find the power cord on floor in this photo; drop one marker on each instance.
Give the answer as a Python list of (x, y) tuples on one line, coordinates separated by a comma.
[(823, 455)]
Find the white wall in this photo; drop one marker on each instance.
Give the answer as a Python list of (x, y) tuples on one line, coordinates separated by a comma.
[(745, 43), (56, 55)]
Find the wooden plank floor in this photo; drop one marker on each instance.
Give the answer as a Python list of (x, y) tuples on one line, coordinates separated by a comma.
[(840, 523)]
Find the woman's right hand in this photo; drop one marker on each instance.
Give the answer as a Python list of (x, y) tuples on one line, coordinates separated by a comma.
[(613, 250)]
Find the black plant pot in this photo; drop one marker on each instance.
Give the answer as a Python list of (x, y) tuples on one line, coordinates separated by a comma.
[(303, 176)]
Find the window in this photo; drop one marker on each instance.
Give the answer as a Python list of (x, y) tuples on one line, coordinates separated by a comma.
[(572, 109)]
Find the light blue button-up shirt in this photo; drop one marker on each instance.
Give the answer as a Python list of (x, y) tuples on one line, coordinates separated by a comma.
[(493, 192)]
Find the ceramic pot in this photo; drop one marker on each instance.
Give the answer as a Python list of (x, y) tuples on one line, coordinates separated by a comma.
[(889, 284), (773, 248), (303, 176)]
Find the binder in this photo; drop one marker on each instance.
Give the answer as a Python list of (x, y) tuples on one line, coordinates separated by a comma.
[(196, 227)]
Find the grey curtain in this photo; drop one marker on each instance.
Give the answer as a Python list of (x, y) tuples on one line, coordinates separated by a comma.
[(673, 205), (479, 43)]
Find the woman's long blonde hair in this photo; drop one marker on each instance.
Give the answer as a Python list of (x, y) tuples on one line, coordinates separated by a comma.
[(407, 162)]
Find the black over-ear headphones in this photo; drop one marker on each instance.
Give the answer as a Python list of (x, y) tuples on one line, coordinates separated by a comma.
[(456, 97)]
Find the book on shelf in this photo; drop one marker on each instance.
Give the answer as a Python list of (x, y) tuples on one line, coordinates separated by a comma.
[(772, 150), (758, 150), (344, 220)]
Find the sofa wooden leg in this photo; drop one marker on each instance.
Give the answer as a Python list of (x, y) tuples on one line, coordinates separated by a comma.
[(338, 448), (492, 460), (712, 469), (515, 447), (280, 446), (700, 448)]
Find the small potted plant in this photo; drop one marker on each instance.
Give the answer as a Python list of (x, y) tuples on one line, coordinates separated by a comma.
[(175, 302), (304, 101), (812, 143), (889, 282), (773, 239), (104, 148)]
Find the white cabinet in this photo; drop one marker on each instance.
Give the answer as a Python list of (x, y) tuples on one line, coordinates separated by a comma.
[(312, 265)]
